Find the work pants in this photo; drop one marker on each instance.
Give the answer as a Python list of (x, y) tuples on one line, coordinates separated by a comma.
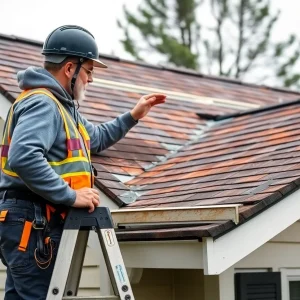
[(25, 279)]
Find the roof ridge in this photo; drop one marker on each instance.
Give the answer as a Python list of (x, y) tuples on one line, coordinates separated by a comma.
[(180, 70), (218, 118), (20, 39)]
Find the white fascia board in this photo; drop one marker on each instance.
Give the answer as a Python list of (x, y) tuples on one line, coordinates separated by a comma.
[(5, 105), (224, 252), (163, 255)]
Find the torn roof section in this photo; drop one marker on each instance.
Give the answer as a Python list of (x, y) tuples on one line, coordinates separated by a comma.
[(252, 159), (242, 161)]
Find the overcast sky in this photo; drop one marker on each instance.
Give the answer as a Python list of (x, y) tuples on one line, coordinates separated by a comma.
[(35, 19)]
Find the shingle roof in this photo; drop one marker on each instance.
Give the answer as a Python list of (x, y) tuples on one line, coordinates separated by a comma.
[(176, 157), (252, 160), (242, 158)]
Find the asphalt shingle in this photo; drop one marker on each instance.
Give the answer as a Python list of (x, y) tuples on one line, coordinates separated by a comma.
[(176, 157)]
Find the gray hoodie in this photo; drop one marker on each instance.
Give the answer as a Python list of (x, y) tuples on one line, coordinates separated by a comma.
[(38, 136)]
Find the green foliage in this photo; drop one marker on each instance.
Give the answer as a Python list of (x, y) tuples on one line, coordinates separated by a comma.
[(233, 38), (170, 33)]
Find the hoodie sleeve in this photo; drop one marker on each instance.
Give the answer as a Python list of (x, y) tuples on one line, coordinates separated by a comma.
[(105, 135), (36, 123)]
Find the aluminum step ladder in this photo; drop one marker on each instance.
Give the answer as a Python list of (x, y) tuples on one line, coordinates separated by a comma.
[(68, 266)]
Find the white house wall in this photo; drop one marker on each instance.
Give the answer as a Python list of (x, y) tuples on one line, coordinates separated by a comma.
[(279, 253), (4, 107), (161, 279), (229, 249), (163, 255), (5, 104)]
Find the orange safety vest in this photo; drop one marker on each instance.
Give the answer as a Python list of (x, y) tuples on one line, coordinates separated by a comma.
[(76, 168)]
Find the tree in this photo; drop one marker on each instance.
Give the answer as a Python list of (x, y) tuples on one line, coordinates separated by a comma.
[(233, 38), (174, 34)]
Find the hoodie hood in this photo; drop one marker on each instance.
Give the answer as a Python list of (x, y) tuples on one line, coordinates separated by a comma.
[(33, 78)]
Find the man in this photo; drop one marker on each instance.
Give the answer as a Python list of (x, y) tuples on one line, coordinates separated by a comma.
[(45, 158)]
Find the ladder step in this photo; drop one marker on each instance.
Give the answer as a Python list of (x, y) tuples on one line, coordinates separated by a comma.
[(92, 297)]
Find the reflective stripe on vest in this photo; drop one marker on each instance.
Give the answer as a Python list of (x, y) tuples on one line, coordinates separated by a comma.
[(75, 168)]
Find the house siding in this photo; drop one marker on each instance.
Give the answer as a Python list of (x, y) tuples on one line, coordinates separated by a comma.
[(166, 284), (279, 253), (189, 284), (169, 284)]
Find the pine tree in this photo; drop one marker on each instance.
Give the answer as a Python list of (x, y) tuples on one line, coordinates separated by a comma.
[(233, 38)]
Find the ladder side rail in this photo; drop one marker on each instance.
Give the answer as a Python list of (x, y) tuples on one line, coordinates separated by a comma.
[(115, 264), (75, 272), (62, 265)]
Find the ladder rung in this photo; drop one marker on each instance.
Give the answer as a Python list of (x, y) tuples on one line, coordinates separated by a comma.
[(92, 297)]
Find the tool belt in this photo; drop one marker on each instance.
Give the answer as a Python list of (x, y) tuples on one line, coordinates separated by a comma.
[(46, 217)]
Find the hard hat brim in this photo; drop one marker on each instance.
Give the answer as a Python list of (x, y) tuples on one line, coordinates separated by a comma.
[(60, 58), (98, 63)]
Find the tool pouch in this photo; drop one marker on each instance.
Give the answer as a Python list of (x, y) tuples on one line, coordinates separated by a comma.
[(45, 245)]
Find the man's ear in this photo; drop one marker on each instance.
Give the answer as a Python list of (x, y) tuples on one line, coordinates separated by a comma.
[(69, 69)]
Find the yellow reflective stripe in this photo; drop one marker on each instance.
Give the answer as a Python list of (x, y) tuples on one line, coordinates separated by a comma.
[(26, 94), (65, 122), (81, 127), (21, 96), (75, 174), (72, 123), (86, 138), (68, 160), (84, 132), (8, 125), (7, 129), (40, 91), (3, 162), (8, 172), (62, 112), (4, 137)]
